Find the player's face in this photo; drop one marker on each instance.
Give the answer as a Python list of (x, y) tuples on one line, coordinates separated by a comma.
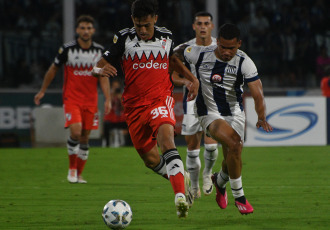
[(227, 48), (203, 26), (85, 31), (145, 26)]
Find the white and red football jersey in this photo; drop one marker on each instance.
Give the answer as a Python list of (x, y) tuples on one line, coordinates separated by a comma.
[(145, 65), (79, 86)]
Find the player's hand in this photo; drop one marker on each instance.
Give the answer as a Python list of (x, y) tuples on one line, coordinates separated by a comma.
[(107, 70), (264, 124), (38, 97), (193, 90), (107, 106)]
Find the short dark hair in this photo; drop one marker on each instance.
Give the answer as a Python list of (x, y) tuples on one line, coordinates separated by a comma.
[(203, 14), (229, 31), (84, 18), (143, 8)]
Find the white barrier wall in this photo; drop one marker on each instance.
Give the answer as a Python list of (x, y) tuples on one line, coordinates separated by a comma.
[(295, 120), (49, 127)]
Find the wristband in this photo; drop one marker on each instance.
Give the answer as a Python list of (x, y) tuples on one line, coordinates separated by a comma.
[(97, 70)]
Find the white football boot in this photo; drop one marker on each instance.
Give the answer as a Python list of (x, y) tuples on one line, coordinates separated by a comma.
[(207, 184), (188, 192), (72, 176), (181, 205)]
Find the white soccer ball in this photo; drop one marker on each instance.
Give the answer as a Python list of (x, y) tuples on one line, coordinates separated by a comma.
[(117, 214)]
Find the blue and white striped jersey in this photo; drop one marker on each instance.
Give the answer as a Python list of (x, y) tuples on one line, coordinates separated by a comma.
[(221, 83), (188, 106)]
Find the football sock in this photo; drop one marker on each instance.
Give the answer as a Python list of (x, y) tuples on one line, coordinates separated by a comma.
[(210, 156), (222, 179), (82, 158), (161, 168), (193, 164), (236, 187), (175, 170), (72, 147)]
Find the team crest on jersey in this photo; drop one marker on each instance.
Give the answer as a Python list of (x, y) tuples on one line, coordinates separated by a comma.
[(68, 116), (231, 69), (163, 43), (115, 39), (189, 50), (60, 50)]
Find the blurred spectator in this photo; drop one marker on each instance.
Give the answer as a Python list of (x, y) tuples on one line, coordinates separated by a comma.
[(115, 132), (259, 29), (288, 65), (322, 63)]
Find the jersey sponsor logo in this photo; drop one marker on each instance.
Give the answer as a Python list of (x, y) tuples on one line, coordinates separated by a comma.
[(152, 64), (82, 73), (216, 78), (106, 53)]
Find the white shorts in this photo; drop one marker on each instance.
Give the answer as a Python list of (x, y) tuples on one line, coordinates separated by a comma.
[(237, 122), (190, 125)]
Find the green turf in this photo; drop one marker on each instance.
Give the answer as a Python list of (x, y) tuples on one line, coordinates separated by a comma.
[(288, 187)]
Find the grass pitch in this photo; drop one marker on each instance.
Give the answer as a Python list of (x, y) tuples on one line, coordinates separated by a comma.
[(289, 188)]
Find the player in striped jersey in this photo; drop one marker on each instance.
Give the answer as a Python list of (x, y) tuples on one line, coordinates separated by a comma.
[(222, 71), (80, 94), (146, 54), (191, 127)]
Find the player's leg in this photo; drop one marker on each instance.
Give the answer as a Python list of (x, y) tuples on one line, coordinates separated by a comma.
[(174, 166), (192, 131), (220, 180), (210, 157), (223, 132), (73, 148), (90, 121), (73, 121), (82, 155), (193, 162)]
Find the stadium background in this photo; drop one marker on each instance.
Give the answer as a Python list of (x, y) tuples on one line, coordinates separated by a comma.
[(32, 30)]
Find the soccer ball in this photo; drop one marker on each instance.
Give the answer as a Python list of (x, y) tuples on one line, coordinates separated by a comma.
[(117, 214)]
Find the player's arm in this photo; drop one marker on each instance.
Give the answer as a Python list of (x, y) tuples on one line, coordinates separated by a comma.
[(177, 65), (178, 80), (256, 90), (105, 86), (48, 78)]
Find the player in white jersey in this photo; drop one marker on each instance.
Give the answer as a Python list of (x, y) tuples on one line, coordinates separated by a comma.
[(191, 127), (222, 71)]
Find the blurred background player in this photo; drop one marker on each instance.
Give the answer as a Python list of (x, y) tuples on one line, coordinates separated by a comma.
[(115, 132), (146, 55), (79, 93), (191, 127), (220, 109)]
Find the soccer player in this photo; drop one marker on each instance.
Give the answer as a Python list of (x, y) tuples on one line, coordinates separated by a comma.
[(222, 71), (191, 127), (79, 93), (146, 55)]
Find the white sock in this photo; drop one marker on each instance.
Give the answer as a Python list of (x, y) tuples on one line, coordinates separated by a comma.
[(222, 179), (236, 187), (193, 164), (210, 156)]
